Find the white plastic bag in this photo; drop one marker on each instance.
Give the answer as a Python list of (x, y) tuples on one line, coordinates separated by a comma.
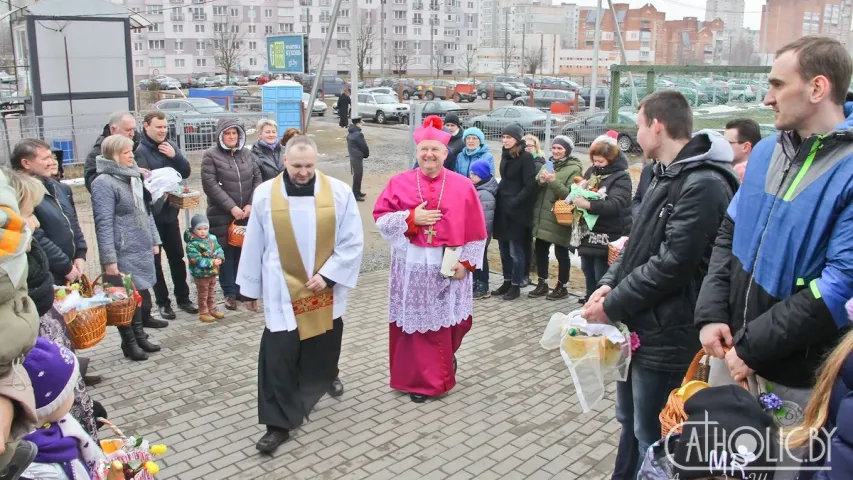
[(594, 353)]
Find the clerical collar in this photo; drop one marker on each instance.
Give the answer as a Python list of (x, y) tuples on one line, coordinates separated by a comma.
[(430, 179), (294, 190)]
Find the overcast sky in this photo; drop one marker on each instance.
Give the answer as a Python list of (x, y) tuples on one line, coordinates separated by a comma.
[(676, 9)]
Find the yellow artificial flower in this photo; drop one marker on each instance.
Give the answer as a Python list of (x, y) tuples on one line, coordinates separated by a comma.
[(152, 468), (158, 449)]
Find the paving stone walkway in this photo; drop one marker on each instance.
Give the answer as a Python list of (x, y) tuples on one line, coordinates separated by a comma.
[(513, 414)]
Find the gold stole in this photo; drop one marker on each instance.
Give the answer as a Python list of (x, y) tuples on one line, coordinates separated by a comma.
[(313, 311)]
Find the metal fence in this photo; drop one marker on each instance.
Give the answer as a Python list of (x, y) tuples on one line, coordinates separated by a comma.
[(75, 134)]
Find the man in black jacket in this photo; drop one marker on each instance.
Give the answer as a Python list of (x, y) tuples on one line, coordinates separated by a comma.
[(358, 151), (120, 123), (457, 143), (155, 152), (653, 285)]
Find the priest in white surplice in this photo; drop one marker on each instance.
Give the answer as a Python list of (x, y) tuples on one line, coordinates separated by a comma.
[(301, 254)]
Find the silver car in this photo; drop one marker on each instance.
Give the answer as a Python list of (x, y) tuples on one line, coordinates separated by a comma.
[(382, 107), (319, 107)]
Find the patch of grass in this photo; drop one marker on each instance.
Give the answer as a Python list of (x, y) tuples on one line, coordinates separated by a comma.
[(718, 121)]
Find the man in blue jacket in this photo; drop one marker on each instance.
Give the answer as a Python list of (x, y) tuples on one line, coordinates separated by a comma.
[(782, 267), (155, 152)]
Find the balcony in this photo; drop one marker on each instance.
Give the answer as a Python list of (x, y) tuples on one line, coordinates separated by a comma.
[(200, 17), (305, 3), (176, 1), (418, 6), (435, 6), (325, 19), (418, 21), (177, 17)]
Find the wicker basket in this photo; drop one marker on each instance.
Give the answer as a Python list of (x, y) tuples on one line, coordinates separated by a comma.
[(87, 290), (612, 253), (69, 316), (89, 327), (191, 199), (120, 312), (236, 234), (672, 415), (564, 212), (116, 450)]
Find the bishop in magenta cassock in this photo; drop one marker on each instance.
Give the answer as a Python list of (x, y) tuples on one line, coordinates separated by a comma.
[(422, 213)]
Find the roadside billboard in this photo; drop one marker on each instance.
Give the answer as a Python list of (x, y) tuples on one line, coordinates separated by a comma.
[(287, 54)]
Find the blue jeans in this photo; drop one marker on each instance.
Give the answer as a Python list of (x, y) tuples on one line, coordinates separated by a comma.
[(594, 269), (512, 260), (482, 273), (228, 273), (639, 401)]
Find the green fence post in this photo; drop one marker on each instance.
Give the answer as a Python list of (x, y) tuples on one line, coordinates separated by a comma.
[(615, 96)]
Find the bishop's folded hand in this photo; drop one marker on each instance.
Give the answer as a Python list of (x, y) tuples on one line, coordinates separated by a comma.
[(459, 271), (426, 217)]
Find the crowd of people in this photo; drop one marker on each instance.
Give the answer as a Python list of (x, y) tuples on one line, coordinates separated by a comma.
[(736, 246)]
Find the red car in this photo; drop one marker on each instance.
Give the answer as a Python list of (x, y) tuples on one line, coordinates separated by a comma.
[(263, 79)]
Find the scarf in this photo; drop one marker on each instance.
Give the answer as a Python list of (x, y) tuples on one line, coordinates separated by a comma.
[(64, 442), (271, 146), (129, 174)]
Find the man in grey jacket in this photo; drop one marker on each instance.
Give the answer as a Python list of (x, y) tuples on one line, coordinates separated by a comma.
[(358, 151)]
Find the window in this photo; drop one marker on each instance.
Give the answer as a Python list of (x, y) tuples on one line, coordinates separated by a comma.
[(285, 27), (342, 28), (138, 63), (199, 45), (417, 19), (418, 31), (324, 29), (399, 45), (235, 12), (219, 27), (416, 45), (253, 28), (343, 44), (448, 60), (399, 14), (251, 13), (470, 4), (267, 13), (137, 46), (219, 10), (200, 62), (177, 29), (253, 62), (199, 29), (253, 45), (282, 12), (235, 28), (156, 44), (157, 62), (400, 30), (179, 45), (344, 13), (154, 9), (180, 63), (155, 27), (268, 29)]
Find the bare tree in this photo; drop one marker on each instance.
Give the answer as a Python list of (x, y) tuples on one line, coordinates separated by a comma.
[(469, 62), (314, 63), (533, 60), (229, 47), (400, 60), (741, 50), (437, 61), (364, 41), (508, 57)]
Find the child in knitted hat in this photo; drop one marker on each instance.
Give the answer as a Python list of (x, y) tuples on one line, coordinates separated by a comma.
[(65, 450), (205, 256), (487, 190)]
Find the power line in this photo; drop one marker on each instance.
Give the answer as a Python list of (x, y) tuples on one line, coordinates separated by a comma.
[(164, 9)]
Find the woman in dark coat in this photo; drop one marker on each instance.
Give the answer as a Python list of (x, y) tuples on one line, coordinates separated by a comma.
[(608, 173), (343, 108), (514, 214), (229, 175), (267, 150)]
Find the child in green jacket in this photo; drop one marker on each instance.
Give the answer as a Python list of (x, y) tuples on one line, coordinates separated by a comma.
[(205, 256)]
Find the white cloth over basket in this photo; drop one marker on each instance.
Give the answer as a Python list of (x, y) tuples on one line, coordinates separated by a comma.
[(597, 353)]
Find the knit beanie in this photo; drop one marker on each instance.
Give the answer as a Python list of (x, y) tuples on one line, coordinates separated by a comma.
[(199, 220), (54, 371), (727, 433), (514, 130), (564, 142), (481, 169), (452, 118)]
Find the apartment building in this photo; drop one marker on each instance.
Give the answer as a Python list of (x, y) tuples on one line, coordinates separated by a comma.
[(182, 39), (691, 42), (783, 21), (729, 11), (642, 31)]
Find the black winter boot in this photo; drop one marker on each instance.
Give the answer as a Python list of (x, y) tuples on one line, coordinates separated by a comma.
[(540, 291), (141, 337), (513, 293), (129, 346), (558, 293), (502, 289)]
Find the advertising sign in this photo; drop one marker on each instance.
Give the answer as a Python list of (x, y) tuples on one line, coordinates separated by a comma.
[(286, 54)]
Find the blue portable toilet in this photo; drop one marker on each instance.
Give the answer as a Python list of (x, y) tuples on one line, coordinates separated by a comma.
[(220, 97), (284, 99)]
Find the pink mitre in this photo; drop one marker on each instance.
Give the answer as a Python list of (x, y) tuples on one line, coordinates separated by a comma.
[(432, 130)]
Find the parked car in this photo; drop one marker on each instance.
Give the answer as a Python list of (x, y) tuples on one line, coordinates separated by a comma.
[(7, 78), (199, 127), (206, 82), (167, 83), (405, 88), (382, 107), (254, 77), (330, 84), (500, 89), (443, 107), (435, 89), (243, 99), (586, 130), (319, 107), (560, 84), (380, 90), (544, 98), (602, 93), (532, 120), (739, 92), (695, 97), (521, 86), (240, 81)]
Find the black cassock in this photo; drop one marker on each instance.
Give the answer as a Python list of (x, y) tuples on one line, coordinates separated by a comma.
[(343, 109), (294, 374)]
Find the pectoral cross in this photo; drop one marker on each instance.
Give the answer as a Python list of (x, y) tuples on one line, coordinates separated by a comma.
[(430, 232)]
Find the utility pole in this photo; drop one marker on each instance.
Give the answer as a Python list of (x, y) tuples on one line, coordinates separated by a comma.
[(12, 44), (382, 39), (595, 49), (622, 49), (523, 34), (507, 61), (764, 32), (541, 53), (323, 56), (431, 44), (353, 54)]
